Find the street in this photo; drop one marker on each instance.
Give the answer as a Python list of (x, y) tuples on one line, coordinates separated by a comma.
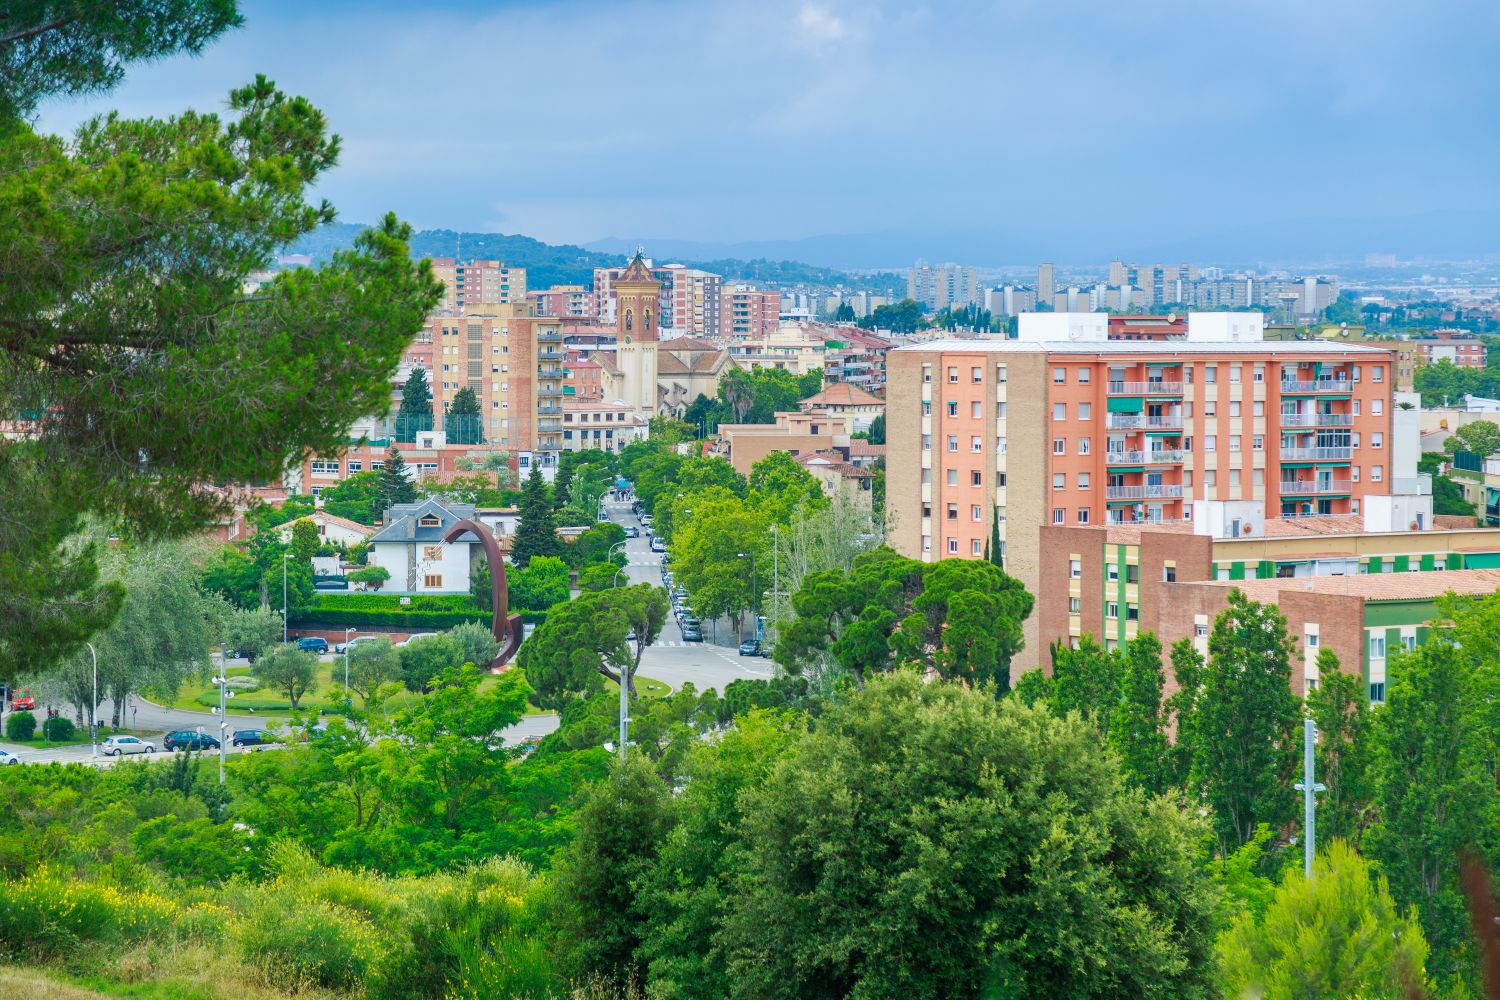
[(670, 659)]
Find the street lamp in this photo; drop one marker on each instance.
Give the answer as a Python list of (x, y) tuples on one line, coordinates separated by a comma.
[(94, 730), (609, 557), (285, 615), (347, 700), (222, 683), (754, 590)]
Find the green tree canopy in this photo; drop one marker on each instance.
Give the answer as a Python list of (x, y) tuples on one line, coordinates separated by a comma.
[(415, 414), (536, 532), (585, 641), (288, 670), (464, 421), (1480, 436), (372, 664), (540, 585), (395, 485), (354, 498)]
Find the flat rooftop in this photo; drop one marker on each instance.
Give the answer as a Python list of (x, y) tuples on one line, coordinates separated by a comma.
[(1284, 527), (1372, 586), (1168, 347)]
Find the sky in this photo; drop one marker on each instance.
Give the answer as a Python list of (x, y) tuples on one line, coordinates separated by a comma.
[(986, 132)]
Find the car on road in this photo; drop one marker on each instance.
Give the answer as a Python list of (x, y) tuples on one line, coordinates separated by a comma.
[(632, 532), (647, 519), (6, 757), (692, 631), (116, 746), (358, 640), (187, 739), (313, 644), (657, 545), (250, 739), (415, 636), (23, 701), (750, 647)]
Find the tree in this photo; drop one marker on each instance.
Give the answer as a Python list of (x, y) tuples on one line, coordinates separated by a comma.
[(542, 584), (1339, 707), (1138, 726), (234, 575), (133, 357), (1434, 793), (713, 552), (901, 317), (415, 414), (1247, 723), (584, 642), (251, 631), (1339, 934), (599, 576), (305, 540), (369, 577), (477, 641), (353, 498), (877, 430), (1448, 498), (289, 670), (536, 534), (1086, 680), (994, 549), (1182, 708), (917, 805), (395, 485), (464, 422), (844, 313), (427, 658), (372, 665), (1479, 436), (973, 614), (594, 545), (779, 487)]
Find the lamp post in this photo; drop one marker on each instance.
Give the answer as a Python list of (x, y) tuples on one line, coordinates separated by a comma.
[(285, 613), (754, 591), (222, 683), (94, 707), (347, 700), (609, 557)]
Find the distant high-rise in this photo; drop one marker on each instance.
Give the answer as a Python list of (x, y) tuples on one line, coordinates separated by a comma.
[(478, 282), (947, 286), (1046, 282)]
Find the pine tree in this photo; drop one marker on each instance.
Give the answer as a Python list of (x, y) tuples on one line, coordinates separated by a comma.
[(415, 414), (465, 421), (1138, 730), (536, 533), (993, 551), (395, 487)]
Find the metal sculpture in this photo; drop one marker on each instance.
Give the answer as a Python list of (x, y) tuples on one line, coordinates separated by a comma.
[(506, 627)]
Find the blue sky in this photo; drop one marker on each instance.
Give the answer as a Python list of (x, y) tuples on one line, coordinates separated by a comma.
[(999, 132)]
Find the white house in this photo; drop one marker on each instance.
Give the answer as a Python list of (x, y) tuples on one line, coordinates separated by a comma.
[(410, 546), (332, 529)]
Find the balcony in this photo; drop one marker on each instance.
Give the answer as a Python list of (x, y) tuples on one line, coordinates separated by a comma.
[(1162, 492), (549, 426), (550, 355), (1164, 456), (1317, 419), (1316, 454), (548, 391), (1321, 385), (549, 336), (1135, 422), (549, 411), (549, 446), (549, 371), (1152, 388), (1305, 487)]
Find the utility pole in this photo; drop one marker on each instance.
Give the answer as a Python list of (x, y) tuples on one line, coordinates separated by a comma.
[(775, 574), (624, 708), (93, 729), (222, 681), (1309, 790), (285, 613)]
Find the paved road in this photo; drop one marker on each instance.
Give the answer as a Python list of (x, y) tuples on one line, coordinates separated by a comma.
[(703, 664)]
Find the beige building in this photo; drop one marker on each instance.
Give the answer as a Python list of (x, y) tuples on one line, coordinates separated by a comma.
[(793, 347), (845, 400), (796, 433), (841, 479), (595, 423), (478, 283), (687, 367), (637, 298)]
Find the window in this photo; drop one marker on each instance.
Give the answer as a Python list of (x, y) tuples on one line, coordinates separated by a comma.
[(952, 374), (1000, 374), (1377, 374), (1083, 515), (1169, 574), (953, 546), (432, 552), (1132, 613), (1354, 473), (926, 510), (1059, 376), (976, 376), (976, 512), (1210, 408), (433, 581), (1200, 629), (1058, 514), (1132, 573), (1112, 610), (1059, 411), (952, 477), (976, 444), (976, 409), (952, 442), (926, 543), (1234, 478), (1111, 572), (1075, 605), (1377, 407), (953, 512), (1258, 408), (999, 446), (926, 475), (1377, 439), (1059, 446), (355, 467), (1260, 374), (1408, 642), (1377, 692), (1377, 647), (1083, 446), (952, 407), (1234, 408), (1000, 410), (1258, 442), (1075, 569), (1059, 481), (376, 466), (1377, 472), (1210, 442), (1354, 440), (1234, 374), (1210, 477), (1210, 374), (1258, 476), (1355, 370), (1354, 407), (926, 407), (1000, 482), (1085, 411), (1083, 480), (1083, 376), (974, 547), (976, 478), (430, 520)]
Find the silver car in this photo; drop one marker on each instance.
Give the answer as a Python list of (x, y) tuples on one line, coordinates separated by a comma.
[(6, 757), (117, 745)]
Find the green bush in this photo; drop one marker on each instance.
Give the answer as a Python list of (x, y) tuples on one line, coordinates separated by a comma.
[(392, 602), (20, 727), (59, 729), (49, 913), (297, 942), (415, 621)]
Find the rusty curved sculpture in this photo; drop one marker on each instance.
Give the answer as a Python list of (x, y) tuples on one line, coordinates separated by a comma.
[(506, 627)]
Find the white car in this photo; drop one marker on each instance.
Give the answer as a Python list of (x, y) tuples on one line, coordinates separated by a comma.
[(6, 757), (358, 640), (117, 745), (414, 637)]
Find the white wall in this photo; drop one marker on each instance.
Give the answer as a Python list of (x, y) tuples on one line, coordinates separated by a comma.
[(453, 566), (1226, 327), (1217, 517), (1406, 435), (1077, 326), (1398, 513)]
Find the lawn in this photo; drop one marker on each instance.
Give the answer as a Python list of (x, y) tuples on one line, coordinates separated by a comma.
[(327, 693)]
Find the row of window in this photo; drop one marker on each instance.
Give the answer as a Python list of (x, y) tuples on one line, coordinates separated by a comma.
[(1210, 374)]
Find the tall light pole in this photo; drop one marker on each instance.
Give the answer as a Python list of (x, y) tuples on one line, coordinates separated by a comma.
[(609, 557), (222, 682), (775, 573), (93, 730), (754, 592), (1309, 790), (348, 702), (285, 612)]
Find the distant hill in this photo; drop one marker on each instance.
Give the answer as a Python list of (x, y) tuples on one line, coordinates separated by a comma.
[(548, 265)]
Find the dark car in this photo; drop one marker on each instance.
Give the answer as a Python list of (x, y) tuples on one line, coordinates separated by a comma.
[(632, 532), (750, 647), (692, 632), (251, 739), (187, 739), (313, 644)]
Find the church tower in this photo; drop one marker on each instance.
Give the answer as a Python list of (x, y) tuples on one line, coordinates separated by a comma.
[(637, 301)]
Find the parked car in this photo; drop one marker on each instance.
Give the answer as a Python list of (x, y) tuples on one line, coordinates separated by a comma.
[(187, 739), (23, 701), (250, 739), (115, 746), (313, 644), (632, 532), (657, 545), (647, 519), (692, 631), (750, 647), (356, 641), (415, 636), (6, 758)]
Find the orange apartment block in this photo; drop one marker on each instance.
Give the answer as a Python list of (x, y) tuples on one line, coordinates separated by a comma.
[(1029, 433), (467, 284)]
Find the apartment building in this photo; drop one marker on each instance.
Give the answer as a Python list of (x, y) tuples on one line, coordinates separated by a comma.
[(513, 360), (796, 433), (1083, 430), (691, 301), (1464, 350), (852, 356), (748, 313), (478, 283), (574, 301), (947, 286), (594, 423)]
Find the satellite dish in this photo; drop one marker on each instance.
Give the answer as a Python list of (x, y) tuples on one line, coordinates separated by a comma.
[(1074, 333), (1171, 317)]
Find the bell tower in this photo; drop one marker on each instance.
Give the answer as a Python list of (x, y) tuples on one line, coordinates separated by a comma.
[(637, 301)]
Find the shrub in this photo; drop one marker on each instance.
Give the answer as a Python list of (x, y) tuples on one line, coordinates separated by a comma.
[(59, 729), (49, 913), (21, 726), (297, 941), (243, 684)]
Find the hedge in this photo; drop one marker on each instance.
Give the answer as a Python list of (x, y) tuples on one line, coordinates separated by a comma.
[(413, 620), (392, 602)]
